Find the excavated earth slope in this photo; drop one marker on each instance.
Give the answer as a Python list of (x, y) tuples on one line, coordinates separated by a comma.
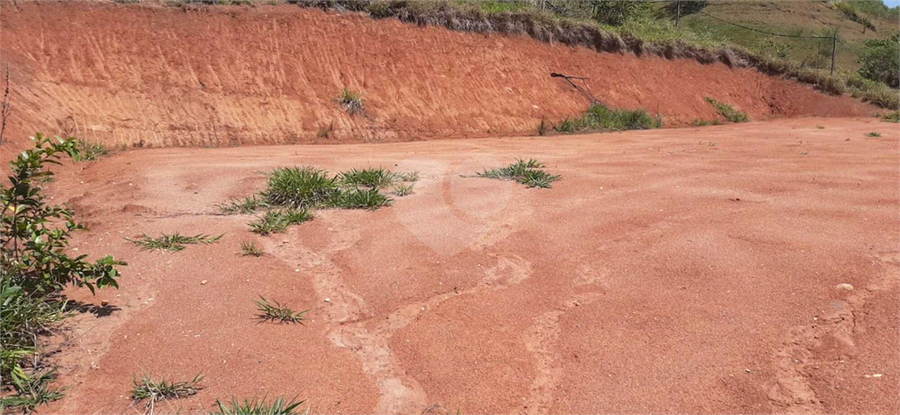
[(151, 75)]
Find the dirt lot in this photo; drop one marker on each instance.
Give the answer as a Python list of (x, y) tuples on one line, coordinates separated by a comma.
[(689, 270)]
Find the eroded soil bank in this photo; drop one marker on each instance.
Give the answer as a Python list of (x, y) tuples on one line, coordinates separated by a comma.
[(149, 75)]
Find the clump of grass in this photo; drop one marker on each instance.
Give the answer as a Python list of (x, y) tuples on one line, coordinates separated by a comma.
[(891, 117), (403, 189), (325, 131), (351, 100), (249, 248), (154, 391), (172, 242), (525, 172), (89, 151), (601, 117), (243, 206), (370, 199), (373, 178), (276, 221), (542, 127), (299, 187), (820, 127), (703, 123), (31, 391), (277, 312), (730, 113), (874, 134), (407, 176), (280, 406)]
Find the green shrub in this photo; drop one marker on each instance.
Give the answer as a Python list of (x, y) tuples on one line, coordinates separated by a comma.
[(616, 13), (728, 111), (35, 269), (880, 61), (891, 117), (601, 117)]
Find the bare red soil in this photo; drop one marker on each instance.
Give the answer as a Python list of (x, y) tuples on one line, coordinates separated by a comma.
[(676, 271), (139, 75)]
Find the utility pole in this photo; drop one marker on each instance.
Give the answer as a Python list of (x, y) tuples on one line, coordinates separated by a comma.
[(833, 48), (677, 12)]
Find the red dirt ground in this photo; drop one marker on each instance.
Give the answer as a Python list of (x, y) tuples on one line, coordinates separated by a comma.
[(138, 75), (677, 271)]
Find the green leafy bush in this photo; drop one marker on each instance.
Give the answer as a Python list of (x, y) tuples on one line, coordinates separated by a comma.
[(36, 268), (880, 61), (616, 13)]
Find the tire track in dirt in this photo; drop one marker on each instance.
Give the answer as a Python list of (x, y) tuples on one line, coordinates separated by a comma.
[(790, 388), (369, 337), (543, 339)]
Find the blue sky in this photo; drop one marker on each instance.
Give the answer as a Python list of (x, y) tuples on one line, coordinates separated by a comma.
[(892, 3)]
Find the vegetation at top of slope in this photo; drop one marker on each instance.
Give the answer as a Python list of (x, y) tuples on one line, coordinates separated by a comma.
[(35, 269), (727, 111), (636, 30), (601, 117), (849, 9), (624, 26)]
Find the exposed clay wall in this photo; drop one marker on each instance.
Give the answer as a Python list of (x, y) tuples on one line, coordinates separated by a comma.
[(139, 75)]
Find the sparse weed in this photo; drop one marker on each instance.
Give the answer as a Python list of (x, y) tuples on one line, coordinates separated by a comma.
[(727, 111), (154, 391), (542, 127), (247, 205), (351, 100), (249, 248), (31, 391), (255, 406), (403, 189), (525, 172), (874, 134), (325, 131), (277, 312), (407, 176), (172, 242), (703, 123), (601, 117), (820, 127), (89, 151), (891, 117), (276, 221)]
